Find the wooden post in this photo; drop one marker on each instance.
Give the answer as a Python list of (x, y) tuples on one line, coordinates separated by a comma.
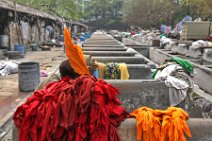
[(16, 23)]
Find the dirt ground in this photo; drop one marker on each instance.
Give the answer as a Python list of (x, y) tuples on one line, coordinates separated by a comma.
[(9, 91)]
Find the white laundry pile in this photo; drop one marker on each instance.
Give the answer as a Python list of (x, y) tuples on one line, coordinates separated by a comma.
[(170, 45), (164, 40), (131, 50), (8, 67), (146, 36), (178, 82), (201, 43)]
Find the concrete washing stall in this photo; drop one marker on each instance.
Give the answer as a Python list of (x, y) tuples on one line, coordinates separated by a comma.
[(154, 94), (140, 92), (136, 66), (102, 46), (204, 75), (136, 71), (101, 41), (200, 129), (94, 43), (127, 60), (103, 49), (109, 53), (142, 49)]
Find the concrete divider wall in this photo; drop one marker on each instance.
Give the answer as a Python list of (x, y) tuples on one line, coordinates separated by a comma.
[(101, 42), (97, 45), (127, 60), (109, 53), (207, 55), (128, 41), (142, 50), (156, 56), (139, 71), (137, 93), (110, 43), (201, 129), (103, 49)]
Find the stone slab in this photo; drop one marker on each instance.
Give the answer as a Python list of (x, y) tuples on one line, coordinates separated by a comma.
[(207, 55), (109, 53), (127, 60), (195, 52), (100, 41), (137, 93), (181, 49), (103, 49), (201, 129), (142, 50), (187, 42), (137, 71), (99, 45), (138, 46), (128, 41)]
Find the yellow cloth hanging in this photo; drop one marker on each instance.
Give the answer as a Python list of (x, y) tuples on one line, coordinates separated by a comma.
[(75, 54), (101, 67), (122, 67), (124, 71)]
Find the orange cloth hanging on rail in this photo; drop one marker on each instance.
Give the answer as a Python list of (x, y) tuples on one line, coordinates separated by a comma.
[(75, 54), (174, 125), (161, 125), (148, 124)]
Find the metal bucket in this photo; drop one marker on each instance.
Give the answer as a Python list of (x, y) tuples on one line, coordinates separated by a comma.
[(4, 41), (28, 76), (20, 48)]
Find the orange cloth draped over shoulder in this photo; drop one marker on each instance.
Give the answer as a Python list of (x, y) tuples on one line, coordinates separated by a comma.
[(75, 55)]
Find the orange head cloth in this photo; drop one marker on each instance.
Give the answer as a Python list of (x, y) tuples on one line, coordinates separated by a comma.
[(75, 55)]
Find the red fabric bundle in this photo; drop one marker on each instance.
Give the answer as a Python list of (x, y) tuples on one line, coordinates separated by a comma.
[(71, 110)]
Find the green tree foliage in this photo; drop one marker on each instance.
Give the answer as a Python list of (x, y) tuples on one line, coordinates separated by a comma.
[(152, 13), (64, 8), (105, 14), (104, 8), (197, 8), (149, 13)]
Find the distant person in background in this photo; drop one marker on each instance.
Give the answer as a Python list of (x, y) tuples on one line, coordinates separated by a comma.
[(49, 33)]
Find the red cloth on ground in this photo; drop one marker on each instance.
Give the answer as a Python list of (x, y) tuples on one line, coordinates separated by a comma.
[(71, 110)]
